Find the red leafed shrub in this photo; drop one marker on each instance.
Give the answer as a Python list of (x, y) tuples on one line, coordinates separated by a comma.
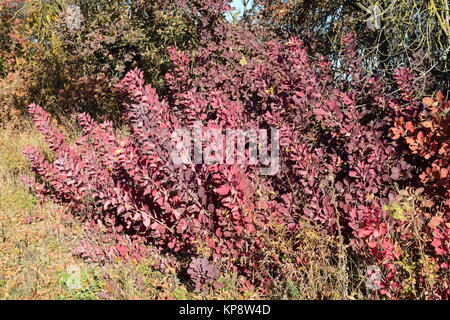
[(340, 169), (427, 135)]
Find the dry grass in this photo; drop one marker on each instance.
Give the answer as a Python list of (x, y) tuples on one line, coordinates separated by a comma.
[(32, 253)]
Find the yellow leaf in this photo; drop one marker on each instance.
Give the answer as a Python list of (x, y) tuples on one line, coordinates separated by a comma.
[(428, 101), (427, 124)]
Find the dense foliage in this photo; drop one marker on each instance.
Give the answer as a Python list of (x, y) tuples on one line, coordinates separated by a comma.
[(340, 167), (362, 192)]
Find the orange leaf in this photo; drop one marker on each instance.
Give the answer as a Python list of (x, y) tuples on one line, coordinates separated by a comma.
[(409, 126), (428, 101), (434, 222), (395, 133), (440, 96), (444, 173), (419, 137)]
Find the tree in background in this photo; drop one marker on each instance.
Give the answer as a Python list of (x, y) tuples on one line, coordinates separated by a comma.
[(78, 67), (415, 33)]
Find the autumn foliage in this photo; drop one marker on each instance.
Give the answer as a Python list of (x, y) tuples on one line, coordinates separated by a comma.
[(343, 166), (363, 182)]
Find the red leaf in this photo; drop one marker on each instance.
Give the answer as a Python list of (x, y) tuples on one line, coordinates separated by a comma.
[(222, 190), (319, 112), (353, 174), (122, 250)]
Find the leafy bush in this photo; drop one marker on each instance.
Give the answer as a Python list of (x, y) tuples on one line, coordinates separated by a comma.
[(340, 169), (426, 132)]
